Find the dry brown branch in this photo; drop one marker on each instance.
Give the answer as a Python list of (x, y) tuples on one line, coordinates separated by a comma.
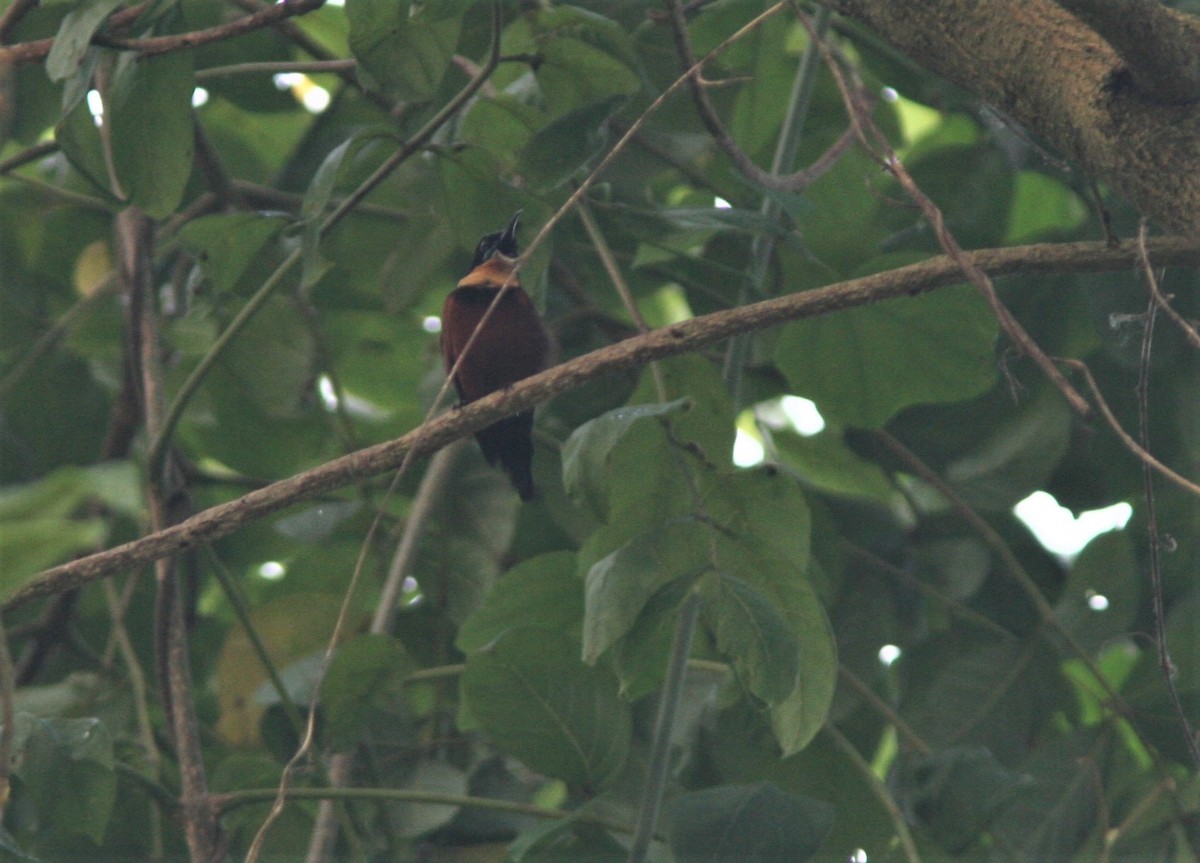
[(32, 52), (792, 183), (632, 353)]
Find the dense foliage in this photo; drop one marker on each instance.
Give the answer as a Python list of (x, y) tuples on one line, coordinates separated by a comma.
[(1021, 712)]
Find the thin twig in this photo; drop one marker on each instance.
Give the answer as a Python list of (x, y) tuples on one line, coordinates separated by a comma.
[(1166, 666), (1160, 299), (880, 791), (889, 713), (1126, 438), (952, 605), (431, 490), (655, 782), (141, 704), (794, 182), (7, 726)]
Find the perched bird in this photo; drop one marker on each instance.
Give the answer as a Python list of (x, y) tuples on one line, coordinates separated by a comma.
[(511, 346)]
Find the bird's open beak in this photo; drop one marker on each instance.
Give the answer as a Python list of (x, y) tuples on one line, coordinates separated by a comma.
[(510, 233)]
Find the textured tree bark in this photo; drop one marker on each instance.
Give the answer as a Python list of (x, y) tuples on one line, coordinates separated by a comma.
[(1045, 68)]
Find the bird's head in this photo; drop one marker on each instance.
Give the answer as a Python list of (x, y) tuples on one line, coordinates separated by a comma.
[(500, 243)]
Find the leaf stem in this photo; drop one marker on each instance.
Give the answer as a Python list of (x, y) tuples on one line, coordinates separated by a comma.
[(784, 158), (668, 706)]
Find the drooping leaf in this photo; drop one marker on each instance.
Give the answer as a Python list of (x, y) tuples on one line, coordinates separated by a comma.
[(74, 37), (956, 792), (151, 121), (756, 638), (66, 769)]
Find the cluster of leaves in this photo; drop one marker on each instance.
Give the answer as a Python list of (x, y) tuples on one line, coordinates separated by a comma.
[(1023, 720)]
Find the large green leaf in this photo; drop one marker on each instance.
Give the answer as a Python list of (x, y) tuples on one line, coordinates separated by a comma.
[(588, 453), (403, 50), (736, 823), (541, 591), (956, 792), (75, 35), (539, 703), (1100, 599), (864, 365), (619, 585), (226, 244), (754, 635), (151, 120), (568, 145), (365, 680), (65, 767)]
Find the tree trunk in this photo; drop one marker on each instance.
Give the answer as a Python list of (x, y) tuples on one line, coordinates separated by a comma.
[(1045, 68)]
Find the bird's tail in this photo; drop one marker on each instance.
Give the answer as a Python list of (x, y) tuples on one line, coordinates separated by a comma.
[(509, 444)]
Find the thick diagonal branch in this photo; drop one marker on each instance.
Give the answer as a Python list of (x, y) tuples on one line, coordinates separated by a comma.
[(632, 353)]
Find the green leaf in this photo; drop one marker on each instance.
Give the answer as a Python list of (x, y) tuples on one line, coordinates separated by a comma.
[(415, 818), (586, 57), (318, 193), (1018, 457), (825, 462), (535, 699), (30, 545), (767, 509), (797, 719), (588, 453), (1057, 808), (754, 636), (568, 145), (1100, 599), (404, 50), (66, 769), (542, 591), (225, 245), (619, 585), (864, 365), (708, 425), (955, 793), (79, 138), (116, 484), (366, 678), (151, 122), (736, 823), (74, 37)]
